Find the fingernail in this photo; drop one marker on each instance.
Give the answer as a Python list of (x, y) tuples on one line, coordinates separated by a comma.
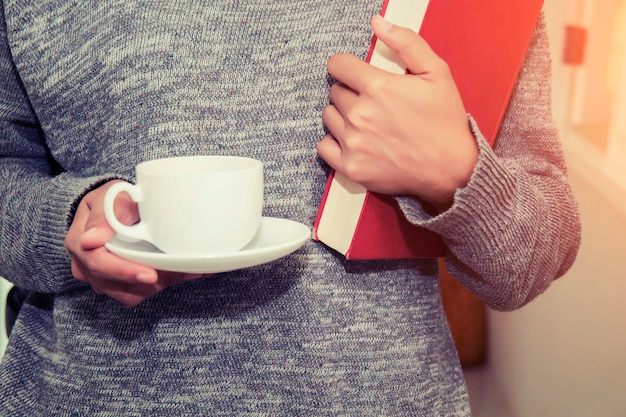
[(93, 230), (382, 22), (146, 277)]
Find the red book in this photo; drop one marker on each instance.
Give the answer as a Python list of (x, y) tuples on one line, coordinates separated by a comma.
[(484, 43)]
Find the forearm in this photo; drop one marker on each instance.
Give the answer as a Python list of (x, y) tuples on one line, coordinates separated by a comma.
[(512, 231), (515, 227), (35, 196), (35, 210)]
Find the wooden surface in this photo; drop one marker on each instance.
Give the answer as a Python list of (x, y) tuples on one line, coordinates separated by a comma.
[(466, 315)]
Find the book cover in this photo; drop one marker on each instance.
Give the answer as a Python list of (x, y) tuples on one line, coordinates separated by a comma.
[(484, 43)]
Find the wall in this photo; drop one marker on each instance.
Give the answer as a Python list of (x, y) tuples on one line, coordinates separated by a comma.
[(565, 353)]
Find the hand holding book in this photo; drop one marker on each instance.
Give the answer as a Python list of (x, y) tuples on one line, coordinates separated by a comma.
[(385, 140), (399, 134)]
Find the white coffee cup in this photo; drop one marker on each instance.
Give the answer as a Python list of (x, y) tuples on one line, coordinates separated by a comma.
[(193, 204)]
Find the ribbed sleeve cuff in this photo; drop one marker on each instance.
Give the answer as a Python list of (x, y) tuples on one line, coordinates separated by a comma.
[(490, 187), (49, 253)]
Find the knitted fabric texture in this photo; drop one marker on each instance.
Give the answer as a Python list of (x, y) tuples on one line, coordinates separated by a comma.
[(90, 89)]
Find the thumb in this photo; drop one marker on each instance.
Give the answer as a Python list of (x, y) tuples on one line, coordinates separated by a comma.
[(412, 49), (94, 237), (97, 229)]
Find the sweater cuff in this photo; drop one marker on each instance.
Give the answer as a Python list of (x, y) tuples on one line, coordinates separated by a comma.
[(50, 253), (491, 187)]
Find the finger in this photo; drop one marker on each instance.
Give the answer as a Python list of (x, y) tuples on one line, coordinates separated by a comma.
[(343, 98), (334, 122), (96, 215), (125, 210), (412, 49), (91, 261), (100, 264), (95, 237), (329, 150), (351, 71)]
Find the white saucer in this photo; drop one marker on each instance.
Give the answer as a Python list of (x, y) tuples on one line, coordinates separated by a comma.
[(274, 239)]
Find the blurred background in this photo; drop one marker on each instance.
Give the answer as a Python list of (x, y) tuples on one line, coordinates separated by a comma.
[(565, 353)]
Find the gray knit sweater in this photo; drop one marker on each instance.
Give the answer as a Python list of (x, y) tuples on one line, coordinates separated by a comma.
[(91, 88)]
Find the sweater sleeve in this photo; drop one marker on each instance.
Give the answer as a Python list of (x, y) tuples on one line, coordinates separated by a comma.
[(515, 227), (37, 198)]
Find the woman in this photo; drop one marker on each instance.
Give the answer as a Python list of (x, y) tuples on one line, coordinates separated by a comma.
[(93, 89)]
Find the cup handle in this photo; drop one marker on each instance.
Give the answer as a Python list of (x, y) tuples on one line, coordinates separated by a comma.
[(133, 233)]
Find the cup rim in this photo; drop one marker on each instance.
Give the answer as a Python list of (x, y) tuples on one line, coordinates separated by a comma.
[(168, 166)]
